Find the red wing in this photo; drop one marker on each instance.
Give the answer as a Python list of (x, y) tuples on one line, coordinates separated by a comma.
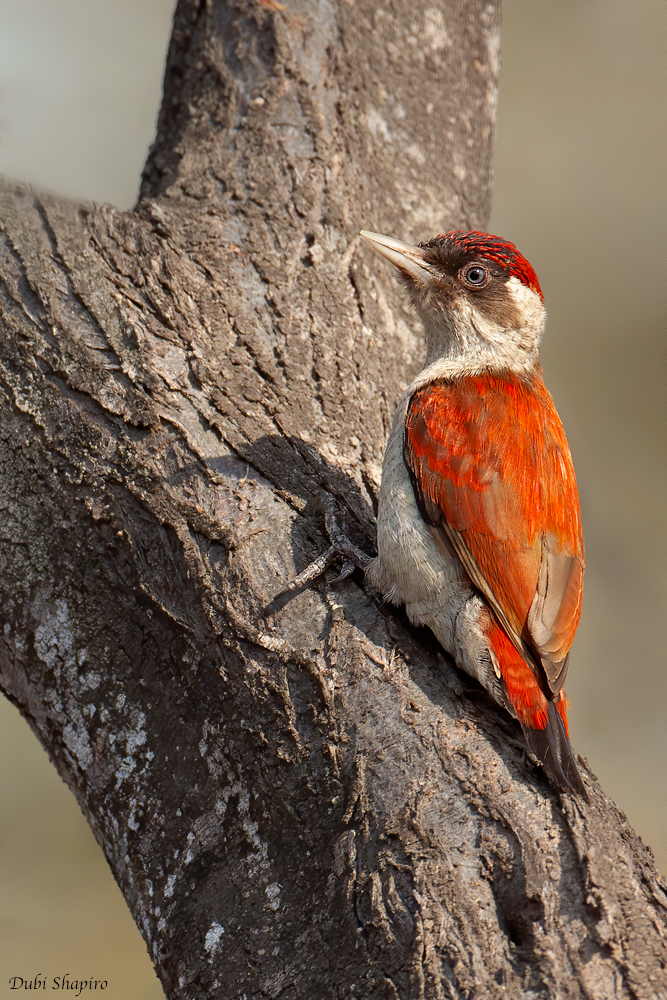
[(492, 469)]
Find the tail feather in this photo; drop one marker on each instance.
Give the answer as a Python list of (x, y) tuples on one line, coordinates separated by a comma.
[(544, 722), (552, 747)]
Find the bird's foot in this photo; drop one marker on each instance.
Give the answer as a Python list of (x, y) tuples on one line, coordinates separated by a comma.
[(341, 548)]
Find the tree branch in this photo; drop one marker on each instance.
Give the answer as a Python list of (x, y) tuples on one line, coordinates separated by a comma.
[(316, 804)]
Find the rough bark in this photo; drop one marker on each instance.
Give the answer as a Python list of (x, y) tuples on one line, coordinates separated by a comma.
[(315, 804)]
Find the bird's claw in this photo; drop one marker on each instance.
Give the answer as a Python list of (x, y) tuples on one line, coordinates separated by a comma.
[(347, 569), (341, 546)]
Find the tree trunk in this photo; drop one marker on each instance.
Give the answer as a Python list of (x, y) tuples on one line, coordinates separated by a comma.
[(313, 804)]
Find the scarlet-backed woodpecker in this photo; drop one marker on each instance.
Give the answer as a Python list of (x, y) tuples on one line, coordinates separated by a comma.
[(479, 531)]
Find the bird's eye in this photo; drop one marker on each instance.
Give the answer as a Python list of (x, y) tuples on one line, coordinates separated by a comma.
[(476, 276)]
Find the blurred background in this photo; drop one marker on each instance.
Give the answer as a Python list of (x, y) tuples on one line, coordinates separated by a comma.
[(580, 187)]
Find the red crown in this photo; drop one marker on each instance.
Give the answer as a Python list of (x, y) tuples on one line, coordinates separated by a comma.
[(495, 249)]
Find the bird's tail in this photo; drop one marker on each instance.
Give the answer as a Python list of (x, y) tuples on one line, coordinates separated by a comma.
[(544, 722), (552, 747)]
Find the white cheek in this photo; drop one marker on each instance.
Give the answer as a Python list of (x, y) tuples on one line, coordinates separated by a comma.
[(530, 308), (471, 318), (498, 346)]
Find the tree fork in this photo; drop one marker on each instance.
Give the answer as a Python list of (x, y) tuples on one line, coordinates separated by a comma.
[(315, 803)]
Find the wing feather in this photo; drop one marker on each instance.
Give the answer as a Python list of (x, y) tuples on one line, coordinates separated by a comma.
[(492, 471)]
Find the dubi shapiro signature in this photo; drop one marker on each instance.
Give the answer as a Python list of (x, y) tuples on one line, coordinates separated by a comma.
[(41, 982)]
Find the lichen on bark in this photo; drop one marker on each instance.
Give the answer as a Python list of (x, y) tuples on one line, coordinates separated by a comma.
[(315, 803)]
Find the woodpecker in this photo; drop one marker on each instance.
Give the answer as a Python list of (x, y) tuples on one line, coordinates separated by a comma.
[(479, 529)]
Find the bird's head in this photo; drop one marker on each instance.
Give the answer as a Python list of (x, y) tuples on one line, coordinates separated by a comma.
[(478, 297)]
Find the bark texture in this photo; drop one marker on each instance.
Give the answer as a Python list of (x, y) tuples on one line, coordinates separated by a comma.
[(314, 804)]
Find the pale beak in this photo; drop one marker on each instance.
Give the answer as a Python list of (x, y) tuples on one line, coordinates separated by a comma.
[(402, 255)]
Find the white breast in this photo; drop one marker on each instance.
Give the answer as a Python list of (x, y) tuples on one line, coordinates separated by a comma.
[(412, 569)]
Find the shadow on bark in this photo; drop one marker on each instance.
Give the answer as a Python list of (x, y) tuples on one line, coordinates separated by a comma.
[(319, 805)]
